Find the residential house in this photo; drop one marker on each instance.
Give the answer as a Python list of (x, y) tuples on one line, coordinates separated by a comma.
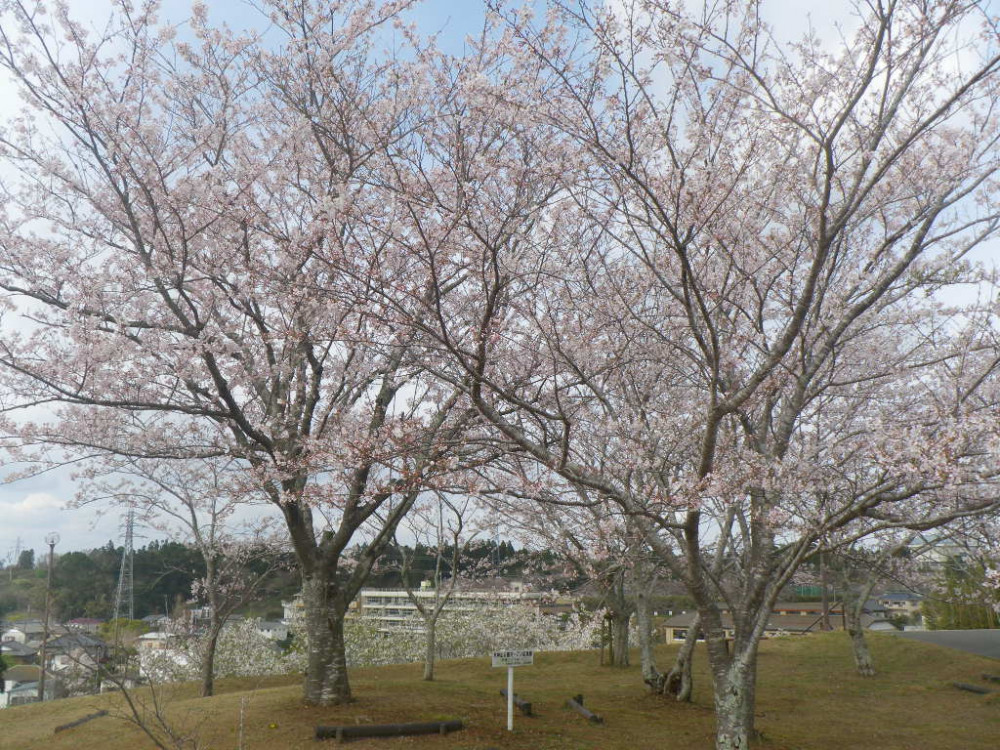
[(787, 618), (935, 551), (24, 632), (277, 631), (156, 622), (159, 640), (292, 610), (20, 685), (31, 632), (76, 650), (85, 624), (17, 653), (901, 603)]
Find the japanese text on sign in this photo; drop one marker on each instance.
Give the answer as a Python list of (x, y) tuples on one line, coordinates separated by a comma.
[(512, 658)]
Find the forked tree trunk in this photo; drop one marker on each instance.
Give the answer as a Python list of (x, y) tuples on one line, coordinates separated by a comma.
[(326, 682), (679, 681), (430, 644)]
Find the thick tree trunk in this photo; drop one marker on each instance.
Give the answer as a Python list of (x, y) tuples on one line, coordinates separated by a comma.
[(862, 656), (644, 619), (735, 698), (430, 643), (326, 682), (619, 637), (679, 681)]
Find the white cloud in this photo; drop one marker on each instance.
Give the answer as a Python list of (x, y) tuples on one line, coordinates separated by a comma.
[(34, 505), (29, 514)]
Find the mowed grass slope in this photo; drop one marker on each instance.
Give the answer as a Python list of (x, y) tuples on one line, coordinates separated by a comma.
[(808, 698)]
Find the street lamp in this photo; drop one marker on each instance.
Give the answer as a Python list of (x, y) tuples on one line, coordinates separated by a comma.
[(51, 539)]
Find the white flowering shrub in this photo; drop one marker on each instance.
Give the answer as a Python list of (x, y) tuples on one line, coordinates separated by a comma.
[(991, 578), (243, 651), (479, 633), (459, 635), (469, 634), (172, 664)]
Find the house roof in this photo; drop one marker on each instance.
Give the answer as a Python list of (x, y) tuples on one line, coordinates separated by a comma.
[(807, 607), (13, 648), (158, 635), (901, 596), (790, 623), (28, 626), (76, 640), (22, 673)]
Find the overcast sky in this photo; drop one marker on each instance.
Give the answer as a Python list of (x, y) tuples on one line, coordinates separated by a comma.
[(30, 509)]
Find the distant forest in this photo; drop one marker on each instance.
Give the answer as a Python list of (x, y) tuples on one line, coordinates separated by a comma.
[(84, 583)]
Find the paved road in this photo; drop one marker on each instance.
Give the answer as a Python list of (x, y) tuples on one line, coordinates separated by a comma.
[(982, 642)]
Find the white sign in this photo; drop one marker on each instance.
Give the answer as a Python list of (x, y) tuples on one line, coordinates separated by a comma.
[(511, 658)]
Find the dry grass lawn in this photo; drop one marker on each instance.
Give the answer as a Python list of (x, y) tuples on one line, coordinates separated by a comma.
[(809, 698)]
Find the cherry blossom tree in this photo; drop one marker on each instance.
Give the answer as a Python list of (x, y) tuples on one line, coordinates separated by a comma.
[(857, 569), (724, 319), (195, 502), (195, 219), (598, 546), (592, 539), (446, 526)]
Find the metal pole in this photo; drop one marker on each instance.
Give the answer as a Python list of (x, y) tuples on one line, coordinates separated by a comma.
[(51, 540), (510, 699)]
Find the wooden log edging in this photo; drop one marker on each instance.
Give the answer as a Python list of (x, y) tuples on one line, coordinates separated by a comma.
[(576, 703), (522, 705), (356, 731), (78, 722), (972, 688)]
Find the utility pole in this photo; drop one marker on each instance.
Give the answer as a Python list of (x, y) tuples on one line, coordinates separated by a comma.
[(826, 593), (51, 539)]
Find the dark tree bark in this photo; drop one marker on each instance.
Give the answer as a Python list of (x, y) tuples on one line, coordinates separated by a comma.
[(678, 681)]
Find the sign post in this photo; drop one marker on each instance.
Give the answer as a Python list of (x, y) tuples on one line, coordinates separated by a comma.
[(511, 658)]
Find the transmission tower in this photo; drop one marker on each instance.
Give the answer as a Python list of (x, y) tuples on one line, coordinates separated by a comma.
[(124, 600)]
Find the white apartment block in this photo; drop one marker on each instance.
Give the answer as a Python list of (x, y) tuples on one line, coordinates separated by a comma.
[(394, 609)]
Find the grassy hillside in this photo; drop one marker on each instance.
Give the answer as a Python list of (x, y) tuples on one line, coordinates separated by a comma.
[(808, 698)]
